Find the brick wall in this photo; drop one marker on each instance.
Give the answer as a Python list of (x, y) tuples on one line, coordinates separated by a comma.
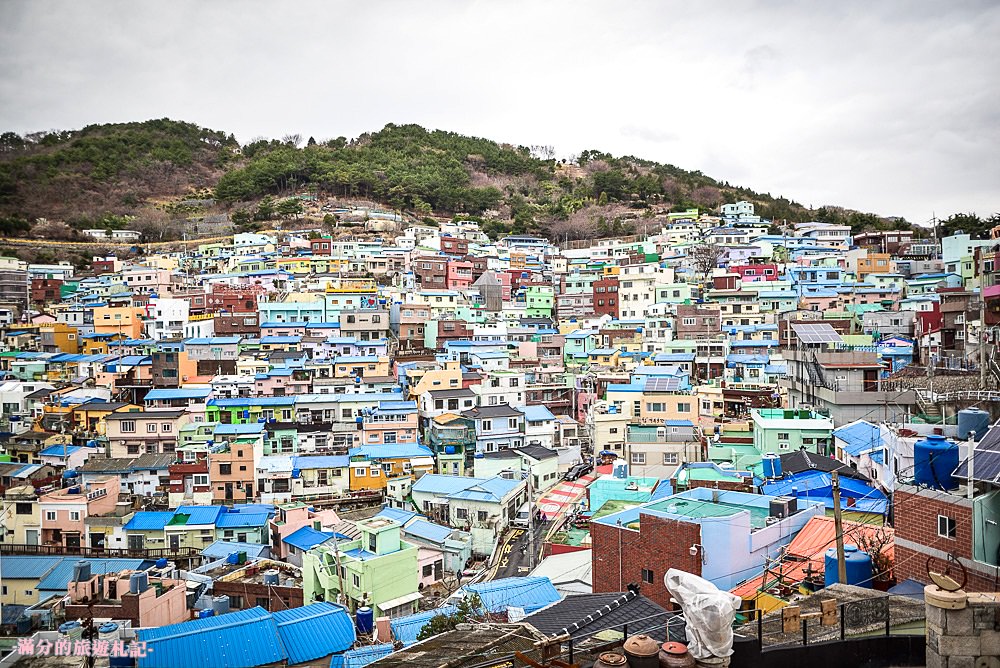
[(915, 516), (660, 544)]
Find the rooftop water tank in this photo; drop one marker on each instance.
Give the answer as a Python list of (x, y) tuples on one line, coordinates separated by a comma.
[(81, 571), (365, 618), (72, 630), (271, 576), (161, 562), (771, 463), (138, 583), (934, 458), (858, 563), (973, 420), (107, 631), (204, 614), (220, 605)]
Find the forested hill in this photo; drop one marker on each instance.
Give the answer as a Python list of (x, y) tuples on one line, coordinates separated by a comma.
[(105, 174)]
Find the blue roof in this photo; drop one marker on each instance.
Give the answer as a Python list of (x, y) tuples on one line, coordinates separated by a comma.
[(531, 593), (306, 538), (240, 639), (463, 487), (321, 462), (432, 533), (391, 451), (405, 629), (145, 520), (58, 578), (361, 657), (398, 515), (199, 514), (213, 340), (859, 437), (536, 413), (60, 450), (221, 549), (222, 429), (315, 630), (17, 567), (193, 393), (235, 520)]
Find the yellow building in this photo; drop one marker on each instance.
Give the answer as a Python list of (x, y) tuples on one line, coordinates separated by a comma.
[(123, 322)]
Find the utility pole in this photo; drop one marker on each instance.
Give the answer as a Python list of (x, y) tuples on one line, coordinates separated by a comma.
[(982, 338), (838, 527), (531, 521)]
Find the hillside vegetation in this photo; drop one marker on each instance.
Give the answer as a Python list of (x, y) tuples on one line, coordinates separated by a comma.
[(135, 174)]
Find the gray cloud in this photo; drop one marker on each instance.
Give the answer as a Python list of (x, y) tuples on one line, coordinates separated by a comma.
[(889, 106)]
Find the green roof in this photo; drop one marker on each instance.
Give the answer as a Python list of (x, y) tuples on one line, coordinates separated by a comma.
[(696, 509)]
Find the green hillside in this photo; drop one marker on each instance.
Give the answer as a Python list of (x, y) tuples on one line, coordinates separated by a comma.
[(104, 174)]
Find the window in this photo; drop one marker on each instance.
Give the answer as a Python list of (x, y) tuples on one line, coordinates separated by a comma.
[(669, 458), (487, 425), (638, 458), (684, 407), (482, 515), (647, 576), (50, 515), (512, 423), (23, 508), (428, 570), (360, 472), (128, 426), (225, 469), (74, 516), (165, 427), (235, 601), (946, 526), (356, 580), (461, 513), (200, 480), (782, 435)]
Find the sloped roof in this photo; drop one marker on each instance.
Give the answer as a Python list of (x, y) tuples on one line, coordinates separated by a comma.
[(315, 630), (530, 593), (244, 638)]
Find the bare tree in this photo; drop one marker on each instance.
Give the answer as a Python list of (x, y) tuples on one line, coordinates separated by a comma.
[(705, 257), (292, 139)]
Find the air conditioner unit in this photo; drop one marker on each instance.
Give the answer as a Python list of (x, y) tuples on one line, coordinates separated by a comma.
[(783, 506)]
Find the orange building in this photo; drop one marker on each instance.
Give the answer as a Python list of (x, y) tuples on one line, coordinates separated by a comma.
[(123, 322)]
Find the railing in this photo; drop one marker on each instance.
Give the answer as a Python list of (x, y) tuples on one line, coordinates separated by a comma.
[(135, 553)]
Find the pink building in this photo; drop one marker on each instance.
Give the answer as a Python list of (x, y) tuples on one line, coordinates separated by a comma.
[(63, 512), (161, 602), (459, 275), (392, 422), (290, 517)]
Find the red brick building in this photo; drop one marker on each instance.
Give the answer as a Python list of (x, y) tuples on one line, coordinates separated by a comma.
[(321, 246), (454, 246), (235, 298), (606, 297), (697, 321), (623, 556), (932, 523), (45, 290), (431, 272)]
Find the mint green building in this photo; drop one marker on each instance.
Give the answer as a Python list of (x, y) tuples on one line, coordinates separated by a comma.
[(780, 430), (539, 300), (379, 570)]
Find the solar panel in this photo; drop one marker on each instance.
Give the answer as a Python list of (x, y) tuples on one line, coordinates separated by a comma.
[(662, 385), (985, 467), (816, 332)]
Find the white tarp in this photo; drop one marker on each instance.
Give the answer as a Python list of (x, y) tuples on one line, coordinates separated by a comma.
[(708, 613)]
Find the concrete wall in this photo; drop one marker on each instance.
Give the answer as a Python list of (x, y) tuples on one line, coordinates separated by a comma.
[(962, 629)]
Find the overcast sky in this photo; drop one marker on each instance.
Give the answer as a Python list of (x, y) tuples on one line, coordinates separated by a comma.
[(888, 106)]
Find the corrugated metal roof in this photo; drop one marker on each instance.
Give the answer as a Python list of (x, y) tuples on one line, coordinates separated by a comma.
[(361, 657), (314, 630), (432, 533), (234, 520), (27, 568), (528, 593), (305, 538), (199, 514), (405, 629), (221, 549), (149, 521), (241, 639), (59, 577)]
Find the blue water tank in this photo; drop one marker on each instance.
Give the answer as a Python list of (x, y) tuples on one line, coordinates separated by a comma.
[(161, 562), (771, 464), (620, 470), (973, 420), (365, 617), (205, 614), (296, 473), (934, 458), (859, 567), (233, 558), (69, 475), (449, 449)]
